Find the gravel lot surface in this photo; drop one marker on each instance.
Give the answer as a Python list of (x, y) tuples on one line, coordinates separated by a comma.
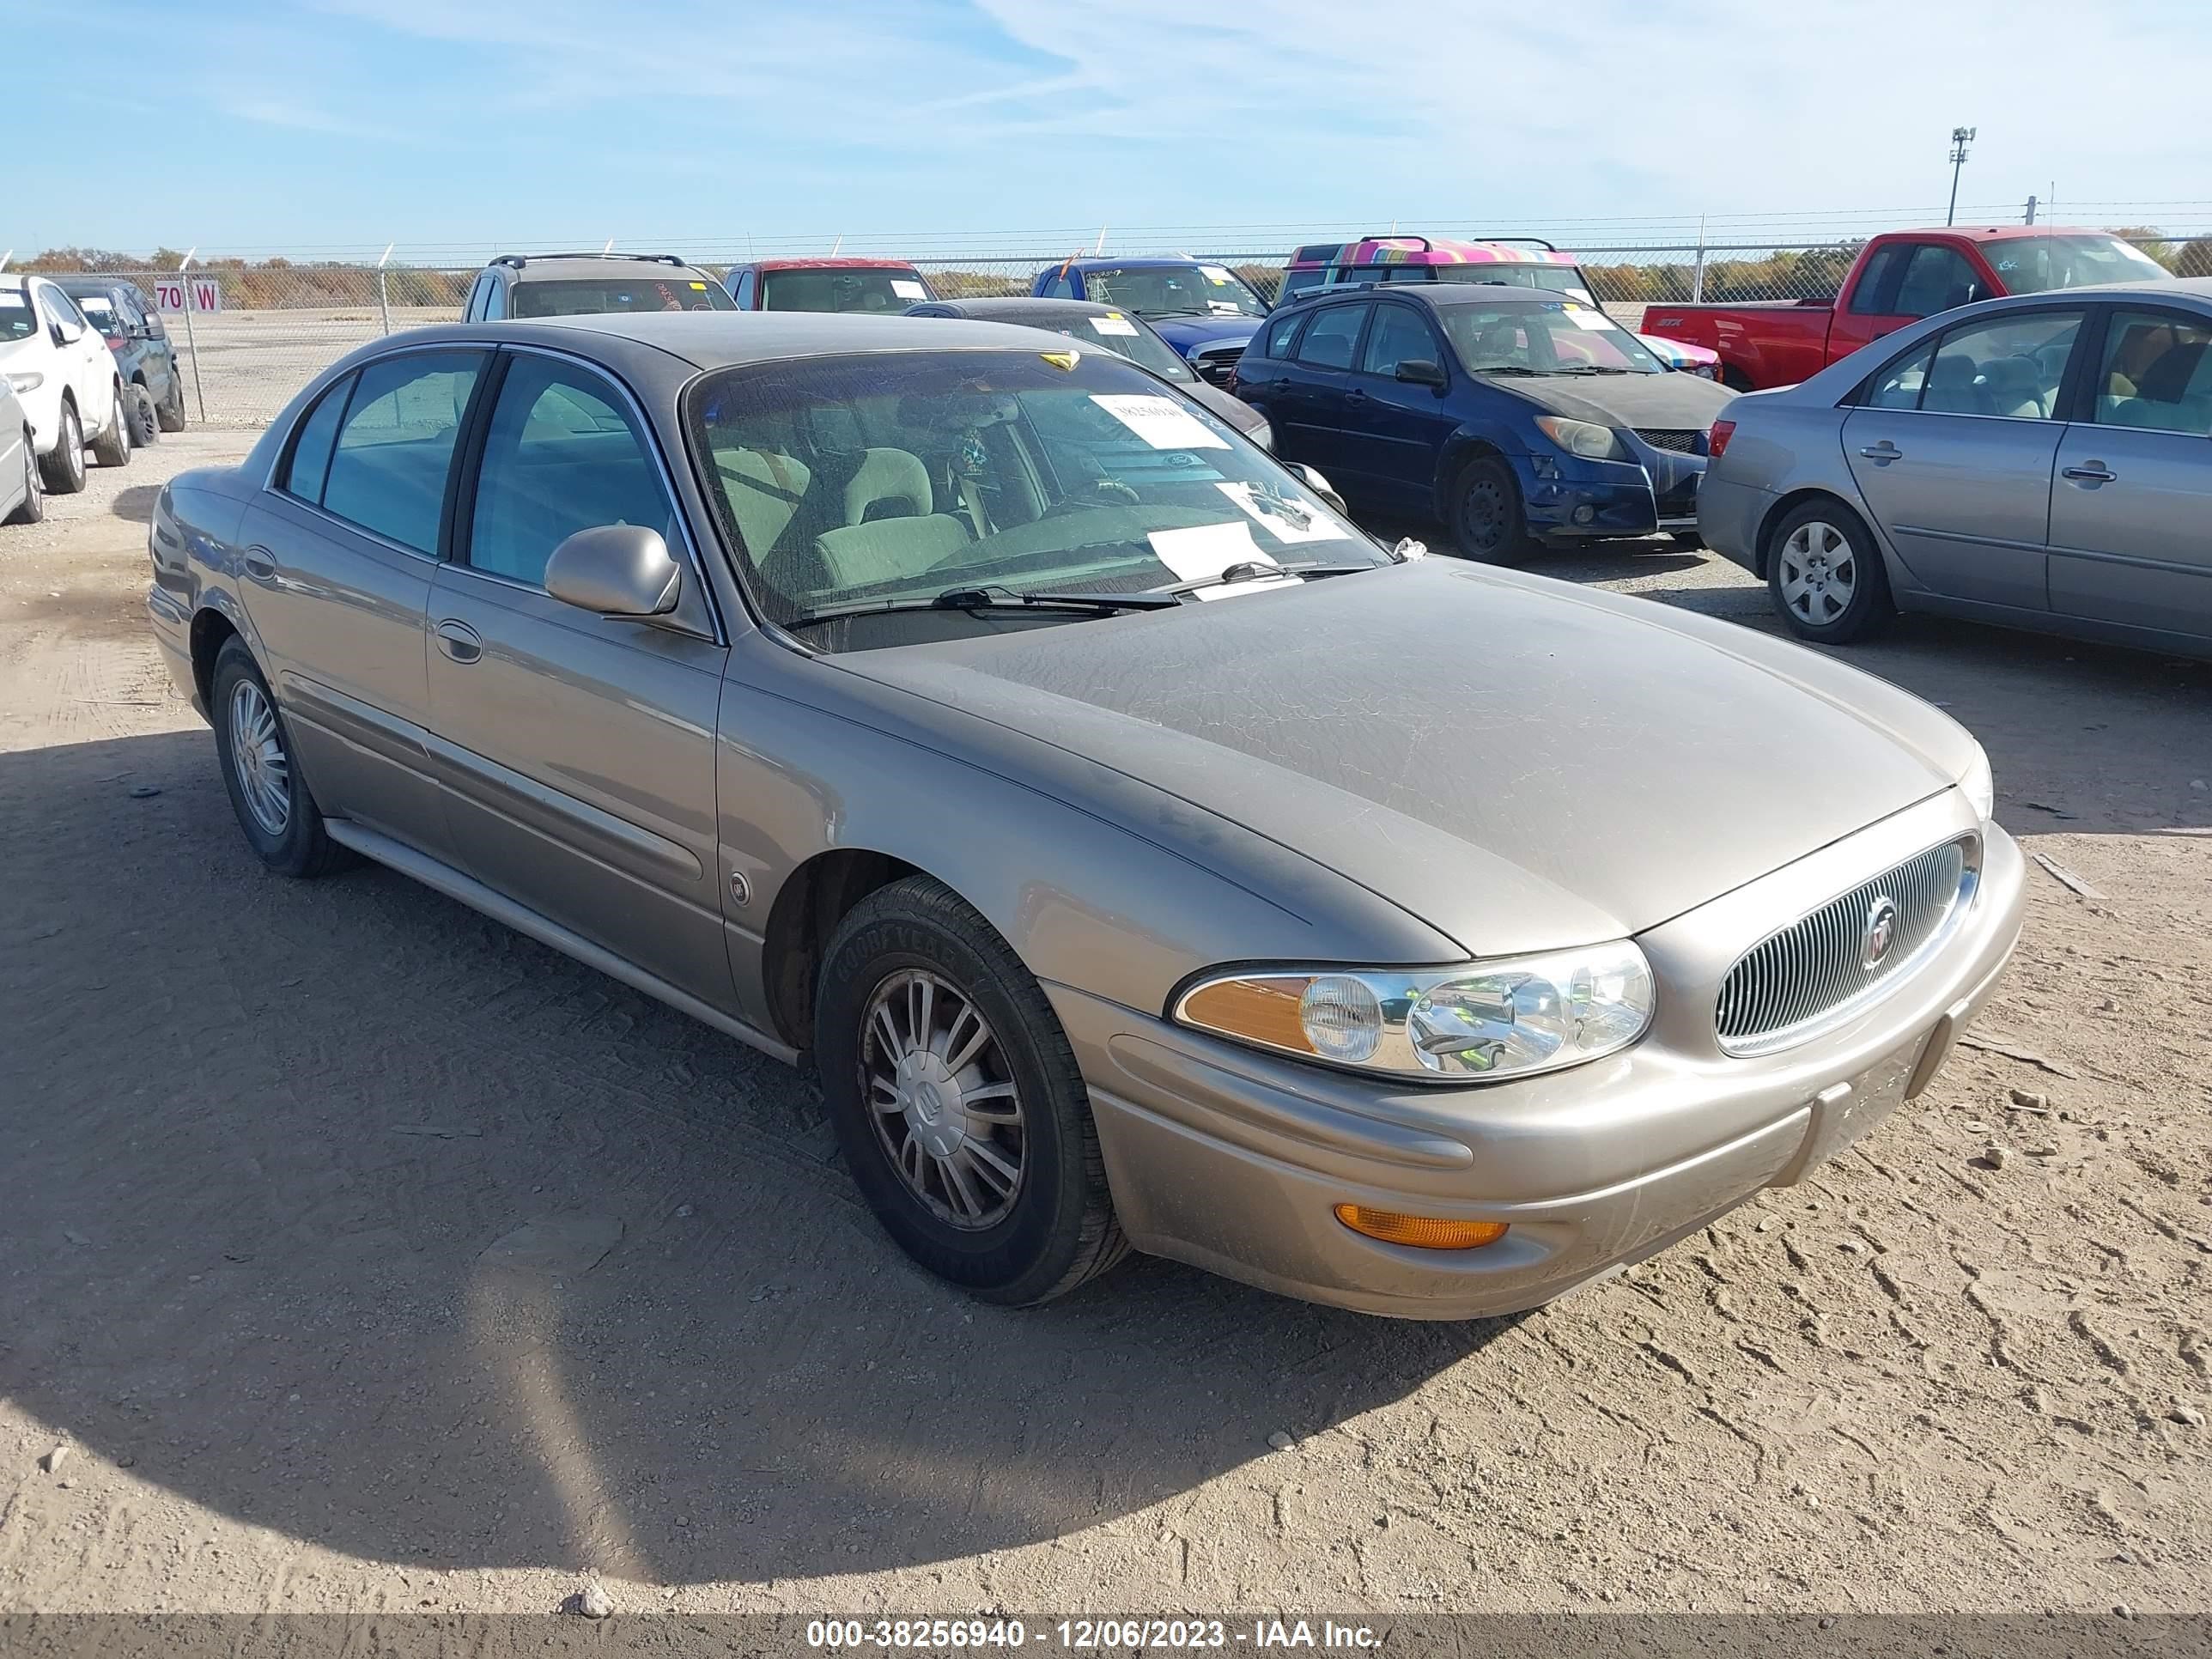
[(266, 1147)]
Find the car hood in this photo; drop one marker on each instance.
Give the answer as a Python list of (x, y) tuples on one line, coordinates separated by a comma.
[(1235, 410), (1681, 402), (1521, 763), (1185, 334)]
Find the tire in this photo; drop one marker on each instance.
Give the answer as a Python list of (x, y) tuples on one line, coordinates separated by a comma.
[(279, 816), (112, 447), (63, 465), (1688, 540), (171, 412), (33, 506), (1826, 575), (145, 426), (1488, 522), (1019, 1104)]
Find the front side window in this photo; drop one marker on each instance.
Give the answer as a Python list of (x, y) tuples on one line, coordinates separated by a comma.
[(1937, 279), (875, 477), (1174, 291), (886, 290), (1543, 337), (495, 305), (1399, 335), (1330, 338), (2156, 373), (561, 454), (387, 469), (598, 296), (1877, 280), (2012, 367), (474, 310)]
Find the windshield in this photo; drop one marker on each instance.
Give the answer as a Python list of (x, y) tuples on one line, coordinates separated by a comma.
[(1543, 338), (1124, 336), (880, 476), (1174, 291), (2032, 265), (99, 312), (888, 288), (595, 296), (17, 321)]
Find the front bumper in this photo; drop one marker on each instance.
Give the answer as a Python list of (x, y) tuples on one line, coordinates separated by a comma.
[(1233, 1160), (1574, 500)]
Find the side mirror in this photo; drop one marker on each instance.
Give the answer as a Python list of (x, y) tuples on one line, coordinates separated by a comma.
[(616, 570), (1319, 485), (1420, 371)]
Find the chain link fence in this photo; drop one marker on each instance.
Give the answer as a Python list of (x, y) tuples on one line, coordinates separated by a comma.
[(281, 322)]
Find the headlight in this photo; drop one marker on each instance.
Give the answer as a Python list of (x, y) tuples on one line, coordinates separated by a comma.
[(26, 382), (1262, 434), (1583, 438), (1980, 786), (1510, 1018)]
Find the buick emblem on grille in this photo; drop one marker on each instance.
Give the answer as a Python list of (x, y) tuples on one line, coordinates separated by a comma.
[(1880, 931)]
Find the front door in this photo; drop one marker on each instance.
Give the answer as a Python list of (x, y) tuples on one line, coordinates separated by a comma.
[(339, 552), (2131, 510), (576, 750), (1952, 450)]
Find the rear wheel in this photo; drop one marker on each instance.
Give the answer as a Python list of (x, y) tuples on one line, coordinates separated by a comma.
[(280, 818), (1488, 519), (1825, 574), (958, 1101), (112, 447), (33, 506), (65, 465), (145, 428)]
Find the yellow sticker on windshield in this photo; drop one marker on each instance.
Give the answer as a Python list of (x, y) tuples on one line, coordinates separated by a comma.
[(1061, 360), (701, 287)]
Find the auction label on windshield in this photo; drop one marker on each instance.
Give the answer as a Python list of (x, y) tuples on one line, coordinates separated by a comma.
[(1160, 422)]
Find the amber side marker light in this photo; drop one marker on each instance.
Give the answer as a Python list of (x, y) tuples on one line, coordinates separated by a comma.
[(1420, 1231)]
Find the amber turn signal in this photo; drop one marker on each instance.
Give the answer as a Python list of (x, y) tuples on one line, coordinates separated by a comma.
[(1422, 1232)]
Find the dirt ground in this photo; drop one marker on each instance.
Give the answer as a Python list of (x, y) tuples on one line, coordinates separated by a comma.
[(266, 1148)]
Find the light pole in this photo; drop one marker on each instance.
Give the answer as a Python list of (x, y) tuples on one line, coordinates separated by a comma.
[(1960, 137)]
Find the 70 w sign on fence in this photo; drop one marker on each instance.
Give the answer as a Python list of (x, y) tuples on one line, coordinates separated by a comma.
[(201, 293)]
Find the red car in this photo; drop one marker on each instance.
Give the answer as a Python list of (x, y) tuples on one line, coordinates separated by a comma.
[(1898, 277), (851, 284)]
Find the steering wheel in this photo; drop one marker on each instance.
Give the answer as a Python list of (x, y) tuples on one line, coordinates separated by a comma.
[(1097, 493)]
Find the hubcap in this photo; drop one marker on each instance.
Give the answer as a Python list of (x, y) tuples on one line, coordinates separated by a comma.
[(1485, 513), (257, 752), (1819, 572), (943, 1098)]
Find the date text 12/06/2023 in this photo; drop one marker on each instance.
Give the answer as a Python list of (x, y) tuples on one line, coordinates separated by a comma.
[(1079, 1634)]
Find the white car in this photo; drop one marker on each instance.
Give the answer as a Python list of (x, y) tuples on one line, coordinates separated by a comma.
[(65, 376), (22, 498)]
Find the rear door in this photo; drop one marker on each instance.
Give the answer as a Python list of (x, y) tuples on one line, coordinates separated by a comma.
[(577, 752), (2131, 510), (1954, 449), (1317, 402), (1401, 429)]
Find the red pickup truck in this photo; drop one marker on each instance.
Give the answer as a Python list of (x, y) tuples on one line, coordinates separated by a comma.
[(1899, 276)]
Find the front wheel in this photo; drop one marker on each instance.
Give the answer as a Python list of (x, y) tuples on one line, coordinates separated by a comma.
[(958, 1101), (145, 426), (170, 412), (280, 818), (112, 447), (1826, 575), (1487, 516), (65, 465)]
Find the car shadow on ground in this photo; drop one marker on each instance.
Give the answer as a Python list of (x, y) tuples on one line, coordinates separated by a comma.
[(136, 503), (262, 1134)]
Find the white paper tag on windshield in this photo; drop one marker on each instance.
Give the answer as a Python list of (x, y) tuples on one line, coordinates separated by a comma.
[(1206, 549), (1591, 320), (1114, 326), (1160, 422), (1216, 273), (907, 288), (1286, 520)]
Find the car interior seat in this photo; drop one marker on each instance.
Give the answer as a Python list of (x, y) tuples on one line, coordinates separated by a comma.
[(1955, 387), (2017, 387), (892, 529)]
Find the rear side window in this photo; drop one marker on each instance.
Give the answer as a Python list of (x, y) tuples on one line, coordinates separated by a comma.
[(1330, 338), (310, 463), (1278, 343), (395, 446)]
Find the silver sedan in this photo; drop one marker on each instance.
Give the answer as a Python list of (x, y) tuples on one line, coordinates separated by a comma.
[(1145, 856), (2041, 462)]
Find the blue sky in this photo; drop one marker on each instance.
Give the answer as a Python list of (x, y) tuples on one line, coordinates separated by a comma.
[(350, 123)]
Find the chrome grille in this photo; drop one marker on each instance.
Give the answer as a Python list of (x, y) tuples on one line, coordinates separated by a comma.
[(1662, 437), (1814, 971), (1217, 365)]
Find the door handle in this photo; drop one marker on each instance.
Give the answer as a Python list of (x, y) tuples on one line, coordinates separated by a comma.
[(2095, 473), (1883, 452), (1355, 396), (459, 641), (260, 564)]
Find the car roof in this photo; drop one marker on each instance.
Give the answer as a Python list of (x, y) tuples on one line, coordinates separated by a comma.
[(830, 262), (1435, 294), (569, 266), (2003, 233), (1013, 307), (718, 340), (1424, 251), (90, 281), (1140, 262)]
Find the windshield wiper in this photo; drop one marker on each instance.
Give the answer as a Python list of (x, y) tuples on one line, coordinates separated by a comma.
[(1595, 368), (991, 597), (1254, 570), (1506, 368)]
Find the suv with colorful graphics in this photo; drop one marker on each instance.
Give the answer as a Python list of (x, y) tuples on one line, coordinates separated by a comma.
[(1206, 311), (1516, 262)]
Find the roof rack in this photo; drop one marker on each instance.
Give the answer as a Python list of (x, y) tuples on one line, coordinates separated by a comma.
[(1427, 246), (518, 261), (1533, 241)]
